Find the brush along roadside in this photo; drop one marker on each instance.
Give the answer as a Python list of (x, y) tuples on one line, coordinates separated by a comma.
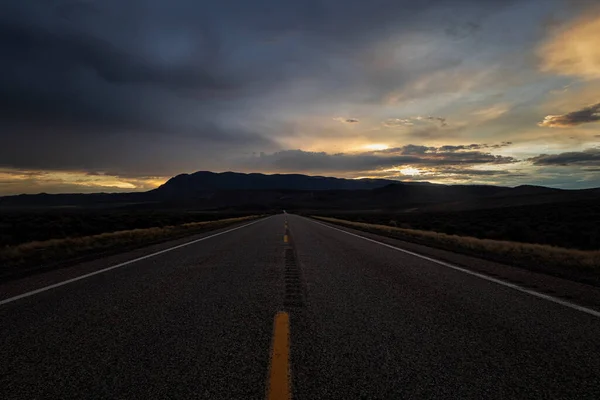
[(572, 264), (46, 254)]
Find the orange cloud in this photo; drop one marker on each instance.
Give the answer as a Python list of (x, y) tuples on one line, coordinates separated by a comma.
[(574, 50)]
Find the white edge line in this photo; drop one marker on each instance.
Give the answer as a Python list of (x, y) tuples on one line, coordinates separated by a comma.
[(482, 276), (100, 271)]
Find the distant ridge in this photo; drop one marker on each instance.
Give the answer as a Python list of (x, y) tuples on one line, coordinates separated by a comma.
[(203, 181), (205, 190)]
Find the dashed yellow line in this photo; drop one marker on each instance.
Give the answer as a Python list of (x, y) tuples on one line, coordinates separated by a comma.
[(279, 374)]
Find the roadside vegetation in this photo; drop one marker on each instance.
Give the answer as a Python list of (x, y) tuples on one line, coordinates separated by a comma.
[(572, 225), (65, 249), (544, 258), (24, 226)]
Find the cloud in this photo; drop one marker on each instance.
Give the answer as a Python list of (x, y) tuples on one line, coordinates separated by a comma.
[(477, 172), (346, 120), (413, 155), (440, 120), (474, 146), (412, 121), (589, 157), (155, 88), (462, 31), (420, 149), (573, 50), (130, 152), (585, 115), (161, 71), (395, 122), (491, 113)]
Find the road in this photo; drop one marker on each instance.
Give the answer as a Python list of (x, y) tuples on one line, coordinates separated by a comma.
[(228, 316)]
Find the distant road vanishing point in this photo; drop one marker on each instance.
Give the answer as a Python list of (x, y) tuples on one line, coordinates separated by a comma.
[(287, 307)]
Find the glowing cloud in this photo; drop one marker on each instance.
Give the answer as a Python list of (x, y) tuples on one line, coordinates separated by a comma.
[(410, 171), (376, 147), (574, 50)]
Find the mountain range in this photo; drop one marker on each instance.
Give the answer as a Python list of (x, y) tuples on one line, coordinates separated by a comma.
[(205, 190)]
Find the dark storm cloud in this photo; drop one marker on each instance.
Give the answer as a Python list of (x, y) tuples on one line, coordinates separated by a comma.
[(121, 152), (589, 157), (413, 155), (583, 116), (111, 63), (89, 84)]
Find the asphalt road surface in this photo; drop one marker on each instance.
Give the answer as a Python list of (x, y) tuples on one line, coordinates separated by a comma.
[(307, 312)]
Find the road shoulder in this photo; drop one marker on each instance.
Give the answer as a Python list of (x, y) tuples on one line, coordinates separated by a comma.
[(19, 286), (575, 292)]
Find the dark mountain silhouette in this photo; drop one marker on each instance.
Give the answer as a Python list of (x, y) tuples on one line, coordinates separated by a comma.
[(205, 181), (226, 191), (199, 186), (529, 190)]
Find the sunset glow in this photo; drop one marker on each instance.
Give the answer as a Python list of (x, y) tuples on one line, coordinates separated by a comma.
[(410, 171), (376, 146), (440, 94)]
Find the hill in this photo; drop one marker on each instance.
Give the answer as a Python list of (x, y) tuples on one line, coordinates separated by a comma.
[(205, 181), (229, 191)]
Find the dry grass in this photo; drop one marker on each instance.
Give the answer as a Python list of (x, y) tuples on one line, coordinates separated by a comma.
[(521, 254), (43, 252)]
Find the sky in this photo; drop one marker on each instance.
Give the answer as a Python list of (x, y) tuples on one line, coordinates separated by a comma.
[(108, 95)]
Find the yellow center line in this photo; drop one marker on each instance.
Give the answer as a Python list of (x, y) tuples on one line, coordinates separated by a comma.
[(279, 375)]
